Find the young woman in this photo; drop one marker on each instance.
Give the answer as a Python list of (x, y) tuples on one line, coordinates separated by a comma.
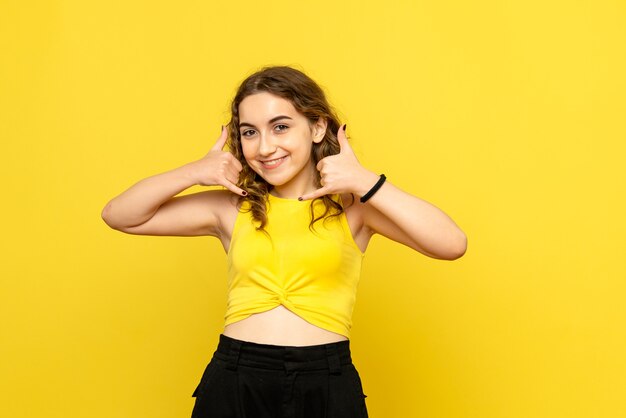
[(295, 218)]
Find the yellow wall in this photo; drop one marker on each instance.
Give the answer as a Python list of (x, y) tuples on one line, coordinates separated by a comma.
[(509, 115)]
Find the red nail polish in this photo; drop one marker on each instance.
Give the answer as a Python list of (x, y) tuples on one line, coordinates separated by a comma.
[(244, 193)]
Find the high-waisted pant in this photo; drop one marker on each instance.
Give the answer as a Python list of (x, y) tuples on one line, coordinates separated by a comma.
[(250, 380)]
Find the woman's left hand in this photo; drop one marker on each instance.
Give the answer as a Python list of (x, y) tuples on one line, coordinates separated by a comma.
[(342, 173)]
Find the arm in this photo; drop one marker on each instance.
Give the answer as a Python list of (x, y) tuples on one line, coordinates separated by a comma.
[(150, 208), (391, 212), (411, 221)]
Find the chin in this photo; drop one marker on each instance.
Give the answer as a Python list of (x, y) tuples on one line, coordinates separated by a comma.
[(274, 183), (274, 180)]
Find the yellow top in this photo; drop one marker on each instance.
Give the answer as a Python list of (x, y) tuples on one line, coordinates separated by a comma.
[(312, 273)]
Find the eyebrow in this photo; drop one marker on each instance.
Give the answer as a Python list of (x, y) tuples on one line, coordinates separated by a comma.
[(274, 119)]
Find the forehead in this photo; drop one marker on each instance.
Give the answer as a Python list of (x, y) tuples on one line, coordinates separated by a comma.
[(261, 107)]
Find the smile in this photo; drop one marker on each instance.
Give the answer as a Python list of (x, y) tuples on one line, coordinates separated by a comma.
[(273, 163)]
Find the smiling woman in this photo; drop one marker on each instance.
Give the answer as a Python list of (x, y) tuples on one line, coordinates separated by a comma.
[(284, 114), (292, 281)]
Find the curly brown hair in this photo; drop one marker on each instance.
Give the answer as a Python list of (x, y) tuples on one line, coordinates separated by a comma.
[(309, 100)]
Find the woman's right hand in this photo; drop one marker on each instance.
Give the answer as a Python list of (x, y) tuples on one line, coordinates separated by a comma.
[(218, 167)]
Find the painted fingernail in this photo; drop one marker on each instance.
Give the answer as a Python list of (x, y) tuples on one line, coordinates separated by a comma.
[(300, 199), (244, 193), (344, 127)]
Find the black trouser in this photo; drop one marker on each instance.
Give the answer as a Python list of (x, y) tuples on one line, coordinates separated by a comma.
[(246, 379)]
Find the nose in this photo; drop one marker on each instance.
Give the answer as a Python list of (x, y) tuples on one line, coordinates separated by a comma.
[(266, 145)]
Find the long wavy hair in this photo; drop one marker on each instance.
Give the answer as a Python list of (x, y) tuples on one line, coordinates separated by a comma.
[(309, 100)]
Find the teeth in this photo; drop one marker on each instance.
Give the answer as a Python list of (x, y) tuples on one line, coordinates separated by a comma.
[(273, 162)]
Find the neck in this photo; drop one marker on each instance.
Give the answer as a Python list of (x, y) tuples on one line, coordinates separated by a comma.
[(290, 192)]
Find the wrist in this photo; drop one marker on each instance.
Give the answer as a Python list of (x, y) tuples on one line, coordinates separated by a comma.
[(367, 180), (374, 189), (189, 174)]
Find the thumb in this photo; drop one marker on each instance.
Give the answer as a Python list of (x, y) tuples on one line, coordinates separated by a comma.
[(221, 141), (344, 145)]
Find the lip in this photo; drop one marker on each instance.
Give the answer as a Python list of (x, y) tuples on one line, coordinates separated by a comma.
[(278, 163)]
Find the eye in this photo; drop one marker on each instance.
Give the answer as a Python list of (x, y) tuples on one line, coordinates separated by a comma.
[(281, 127), (248, 133)]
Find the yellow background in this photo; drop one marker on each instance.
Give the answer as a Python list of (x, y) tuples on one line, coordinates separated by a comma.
[(509, 115)]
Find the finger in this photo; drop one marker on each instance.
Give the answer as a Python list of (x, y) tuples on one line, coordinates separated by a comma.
[(221, 141), (236, 163), (315, 194), (231, 176), (229, 169), (233, 188), (320, 164), (344, 145)]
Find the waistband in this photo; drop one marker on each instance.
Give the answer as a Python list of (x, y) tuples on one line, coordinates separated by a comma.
[(329, 356)]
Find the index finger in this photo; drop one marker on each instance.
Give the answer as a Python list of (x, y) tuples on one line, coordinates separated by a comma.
[(221, 141)]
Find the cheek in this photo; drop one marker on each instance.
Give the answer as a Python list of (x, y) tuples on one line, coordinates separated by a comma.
[(247, 150), (249, 153)]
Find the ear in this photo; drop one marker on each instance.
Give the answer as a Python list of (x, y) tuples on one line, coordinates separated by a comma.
[(319, 130)]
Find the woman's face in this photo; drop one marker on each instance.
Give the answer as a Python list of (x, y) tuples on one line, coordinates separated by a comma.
[(276, 141)]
